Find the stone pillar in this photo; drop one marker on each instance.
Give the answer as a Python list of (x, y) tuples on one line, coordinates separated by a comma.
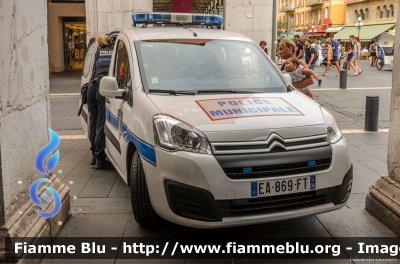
[(383, 200), (106, 15), (24, 119), (252, 18)]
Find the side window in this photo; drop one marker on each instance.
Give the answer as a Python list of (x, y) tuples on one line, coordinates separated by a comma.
[(122, 69), (89, 57)]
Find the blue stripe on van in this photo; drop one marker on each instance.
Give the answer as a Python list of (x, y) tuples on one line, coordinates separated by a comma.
[(146, 150)]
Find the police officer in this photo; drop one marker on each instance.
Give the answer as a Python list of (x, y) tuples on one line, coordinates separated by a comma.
[(96, 102)]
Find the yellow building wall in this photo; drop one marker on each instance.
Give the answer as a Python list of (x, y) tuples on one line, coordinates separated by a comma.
[(338, 13)]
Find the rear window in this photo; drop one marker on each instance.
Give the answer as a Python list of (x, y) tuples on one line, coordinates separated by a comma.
[(196, 64)]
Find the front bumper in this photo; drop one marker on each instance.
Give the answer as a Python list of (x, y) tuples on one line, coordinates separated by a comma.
[(192, 190)]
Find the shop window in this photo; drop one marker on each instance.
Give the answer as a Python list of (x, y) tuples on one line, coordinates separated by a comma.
[(379, 12), (74, 44), (385, 12), (356, 15), (362, 15)]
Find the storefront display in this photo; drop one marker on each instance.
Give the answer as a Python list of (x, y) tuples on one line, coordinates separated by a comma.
[(74, 45)]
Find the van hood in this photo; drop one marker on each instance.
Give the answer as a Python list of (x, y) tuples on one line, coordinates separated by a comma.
[(236, 112)]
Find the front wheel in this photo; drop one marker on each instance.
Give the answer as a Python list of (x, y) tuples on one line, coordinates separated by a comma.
[(379, 65), (141, 205)]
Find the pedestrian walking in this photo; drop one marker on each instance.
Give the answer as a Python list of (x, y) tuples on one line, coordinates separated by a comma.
[(356, 55), (358, 43), (310, 54), (263, 46), (299, 47), (320, 56), (340, 51), (372, 57), (335, 53), (96, 102)]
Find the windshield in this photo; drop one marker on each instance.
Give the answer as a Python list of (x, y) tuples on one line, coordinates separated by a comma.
[(206, 66)]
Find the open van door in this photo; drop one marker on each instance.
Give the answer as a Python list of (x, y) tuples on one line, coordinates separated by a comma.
[(87, 73)]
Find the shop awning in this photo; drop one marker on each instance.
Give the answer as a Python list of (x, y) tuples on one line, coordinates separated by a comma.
[(318, 34), (333, 29), (367, 32)]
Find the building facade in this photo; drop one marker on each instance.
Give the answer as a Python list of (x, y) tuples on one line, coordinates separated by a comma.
[(377, 16), (73, 22), (311, 17), (372, 12)]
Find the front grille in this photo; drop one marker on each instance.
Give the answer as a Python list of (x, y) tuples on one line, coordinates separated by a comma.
[(220, 148), (243, 207), (278, 169), (274, 143)]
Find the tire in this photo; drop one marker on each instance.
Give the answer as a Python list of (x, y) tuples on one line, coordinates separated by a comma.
[(379, 64), (141, 205)]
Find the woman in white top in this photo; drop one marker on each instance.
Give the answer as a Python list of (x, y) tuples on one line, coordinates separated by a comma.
[(320, 56)]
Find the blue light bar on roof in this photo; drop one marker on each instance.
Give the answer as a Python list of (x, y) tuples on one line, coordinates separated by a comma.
[(177, 18)]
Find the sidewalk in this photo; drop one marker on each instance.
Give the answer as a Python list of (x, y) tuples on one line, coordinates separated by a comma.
[(102, 205)]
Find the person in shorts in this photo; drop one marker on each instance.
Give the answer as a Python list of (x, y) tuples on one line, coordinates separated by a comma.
[(372, 50), (335, 54)]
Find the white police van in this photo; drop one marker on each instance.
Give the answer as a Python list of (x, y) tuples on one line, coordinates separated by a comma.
[(207, 131)]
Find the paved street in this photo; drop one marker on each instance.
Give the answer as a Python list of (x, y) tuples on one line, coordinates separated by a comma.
[(371, 77), (102, 205)]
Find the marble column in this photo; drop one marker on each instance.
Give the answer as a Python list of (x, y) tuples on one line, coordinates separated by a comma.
[(251, 18), (383, 200), (24, 122)]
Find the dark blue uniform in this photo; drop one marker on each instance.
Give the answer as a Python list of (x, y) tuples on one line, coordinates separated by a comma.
[(96, 104)]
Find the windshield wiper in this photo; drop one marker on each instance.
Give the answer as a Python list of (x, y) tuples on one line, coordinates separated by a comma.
[(224, 91), (172, 92)]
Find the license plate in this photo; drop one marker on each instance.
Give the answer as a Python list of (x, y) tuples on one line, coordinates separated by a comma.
[(283, 186)]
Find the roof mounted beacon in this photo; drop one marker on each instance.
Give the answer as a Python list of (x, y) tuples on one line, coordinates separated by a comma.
[(176, 18)]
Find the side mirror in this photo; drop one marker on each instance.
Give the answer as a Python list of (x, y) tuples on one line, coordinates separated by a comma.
[(288, 77), (109, 88)]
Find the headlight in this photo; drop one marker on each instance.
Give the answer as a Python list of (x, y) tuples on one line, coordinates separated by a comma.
[(334, 133), (174, 135)]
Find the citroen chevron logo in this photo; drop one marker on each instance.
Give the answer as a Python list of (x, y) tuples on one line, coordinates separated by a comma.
[(50, 165), (276, 141)]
